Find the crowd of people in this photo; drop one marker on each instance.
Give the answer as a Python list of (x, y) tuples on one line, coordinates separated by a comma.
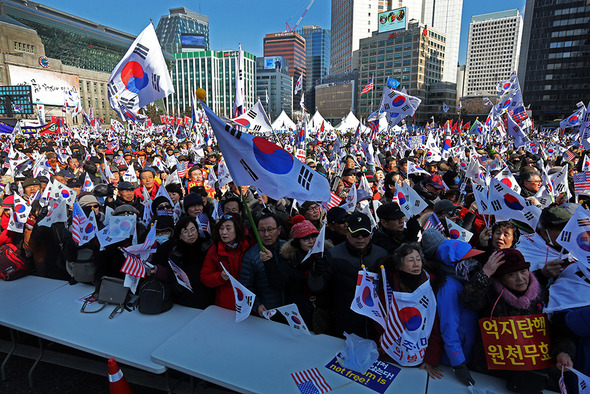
[(203, 227)]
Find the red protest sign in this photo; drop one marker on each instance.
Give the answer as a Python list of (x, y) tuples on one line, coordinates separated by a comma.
[(518, 343)]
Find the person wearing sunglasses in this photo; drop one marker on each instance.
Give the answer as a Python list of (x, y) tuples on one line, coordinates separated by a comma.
[(340, 273), (336, 226), (89, 203), (230, 243)]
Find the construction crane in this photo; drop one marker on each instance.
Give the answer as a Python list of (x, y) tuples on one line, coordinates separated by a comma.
[(289, 28)]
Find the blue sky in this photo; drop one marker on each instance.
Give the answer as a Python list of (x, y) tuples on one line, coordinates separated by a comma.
[(247, 22)]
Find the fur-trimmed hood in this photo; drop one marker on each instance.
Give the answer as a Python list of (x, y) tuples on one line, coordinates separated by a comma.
[(289, 251)]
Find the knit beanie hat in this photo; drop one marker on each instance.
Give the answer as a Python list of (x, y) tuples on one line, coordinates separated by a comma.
[(302, 227), (431, 239), (513, 262)]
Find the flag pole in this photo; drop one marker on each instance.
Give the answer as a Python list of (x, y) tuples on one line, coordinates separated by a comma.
[(249, 213)]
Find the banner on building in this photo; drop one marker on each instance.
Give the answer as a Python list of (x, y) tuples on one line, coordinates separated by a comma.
[(47, 87)]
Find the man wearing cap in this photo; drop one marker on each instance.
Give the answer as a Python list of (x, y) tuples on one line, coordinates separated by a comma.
[(429, 188), (336, 225), (341, 272), (312, 212), (126, 196), (392, 231), (30, 187)]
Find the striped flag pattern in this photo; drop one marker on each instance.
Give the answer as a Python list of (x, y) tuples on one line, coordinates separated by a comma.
[(133, 266), (582, 182), (374, 126), (78, 220), (394, 328), (334, 201), (568, 156), (182, 168), (311, 381), (434, 222), (368, 88)]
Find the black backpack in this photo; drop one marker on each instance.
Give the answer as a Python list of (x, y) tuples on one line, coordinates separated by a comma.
[(155, 297)]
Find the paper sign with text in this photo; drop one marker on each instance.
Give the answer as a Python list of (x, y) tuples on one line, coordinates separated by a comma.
[(517, 343), (378, 377)]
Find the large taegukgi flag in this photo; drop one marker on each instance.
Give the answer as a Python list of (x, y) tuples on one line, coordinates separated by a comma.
[(272, 170), (141, 77)]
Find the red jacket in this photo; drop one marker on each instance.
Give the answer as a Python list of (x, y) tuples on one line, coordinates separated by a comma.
[(139, 192), (231, 259)]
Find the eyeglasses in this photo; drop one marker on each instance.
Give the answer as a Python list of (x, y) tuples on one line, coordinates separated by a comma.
[(164, 206), (267, 230), (360, 234), (309, 237), (94, 206), (313, 208), (187, 231)]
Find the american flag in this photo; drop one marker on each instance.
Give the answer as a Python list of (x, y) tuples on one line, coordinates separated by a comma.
[(582, 182), (78, 220), (374, 126), (334, 201), (182, 168), (434, 222), (203, 222), (311, 381), (133, 266), (518, 114), (569, 156), (368, 88)]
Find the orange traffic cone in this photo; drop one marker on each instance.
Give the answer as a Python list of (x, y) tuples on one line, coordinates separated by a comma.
[(117, 382)]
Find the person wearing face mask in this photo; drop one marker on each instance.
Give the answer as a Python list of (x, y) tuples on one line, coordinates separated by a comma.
[(164, 232), (161, 206), (506, 287), (229, 245)]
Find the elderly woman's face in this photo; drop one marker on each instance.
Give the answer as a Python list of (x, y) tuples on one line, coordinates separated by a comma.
[(517, 281), (412, 263)]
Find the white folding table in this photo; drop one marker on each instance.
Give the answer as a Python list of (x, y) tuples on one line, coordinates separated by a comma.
[(258, 356)]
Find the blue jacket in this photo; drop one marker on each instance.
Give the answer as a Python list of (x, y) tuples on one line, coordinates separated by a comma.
[(458, 324)]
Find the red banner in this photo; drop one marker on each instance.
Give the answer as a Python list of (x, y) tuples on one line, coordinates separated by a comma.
[(163, 119), (518, 343)]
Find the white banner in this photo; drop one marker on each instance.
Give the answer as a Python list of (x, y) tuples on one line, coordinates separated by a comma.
[(47, 87)]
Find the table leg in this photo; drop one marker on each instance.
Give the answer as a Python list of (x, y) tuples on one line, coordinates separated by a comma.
[(41, 351), (12, 349), (168, 383)]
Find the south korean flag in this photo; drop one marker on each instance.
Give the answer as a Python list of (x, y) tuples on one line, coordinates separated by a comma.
[(244, 298), (293, 317), (21, 209), (575, 236), (505, 204)]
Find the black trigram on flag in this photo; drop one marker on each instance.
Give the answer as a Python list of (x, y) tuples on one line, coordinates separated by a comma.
[(583, 222), (252, 114), (498, 187), (529, 215), (112, 89), (305, 177), (405, 107), (566, 236), (391, 94), (484, 206), (127, 103), (141, 51), (582, 276), (256, 128), (424, 301), (249, 170), (496, 205)]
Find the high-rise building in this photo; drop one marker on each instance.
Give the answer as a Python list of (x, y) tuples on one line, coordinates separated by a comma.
[(493, 50), (215, 72), (291, 46), (555, 57), (444, 16), (274, 84), (317, 60), (352, 20), (55, 52), (414, 57), (183, 28)]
